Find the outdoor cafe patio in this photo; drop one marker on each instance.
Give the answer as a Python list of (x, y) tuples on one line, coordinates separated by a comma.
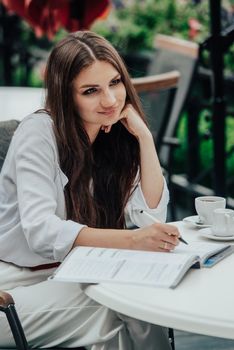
[(194, 131)]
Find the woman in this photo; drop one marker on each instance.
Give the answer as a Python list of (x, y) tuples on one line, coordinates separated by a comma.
[(79, 173)]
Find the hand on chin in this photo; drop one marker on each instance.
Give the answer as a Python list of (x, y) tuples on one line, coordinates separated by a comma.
[(107, 128)]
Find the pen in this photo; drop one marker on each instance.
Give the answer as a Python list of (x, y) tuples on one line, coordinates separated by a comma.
[(158, 221)]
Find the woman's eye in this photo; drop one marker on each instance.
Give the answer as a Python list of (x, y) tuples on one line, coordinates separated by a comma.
[(115, 81), (89, 91)]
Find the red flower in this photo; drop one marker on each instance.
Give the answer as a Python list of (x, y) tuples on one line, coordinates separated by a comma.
[(194, 28), (47, 16)]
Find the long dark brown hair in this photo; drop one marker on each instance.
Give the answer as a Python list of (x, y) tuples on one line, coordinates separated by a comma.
[(101, 175)]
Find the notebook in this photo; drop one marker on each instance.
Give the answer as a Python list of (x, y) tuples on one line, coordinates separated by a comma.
[(96, 265)]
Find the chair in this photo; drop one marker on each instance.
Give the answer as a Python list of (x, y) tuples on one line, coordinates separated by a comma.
[(7, 129), (7, 306), (181, 55), (158, 93)]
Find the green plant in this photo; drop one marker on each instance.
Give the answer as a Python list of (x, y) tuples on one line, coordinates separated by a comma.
[(133, 27), (22, 51), (205, 149)]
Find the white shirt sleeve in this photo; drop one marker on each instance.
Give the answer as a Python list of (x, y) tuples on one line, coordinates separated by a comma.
[(46, 233), (137, 203)]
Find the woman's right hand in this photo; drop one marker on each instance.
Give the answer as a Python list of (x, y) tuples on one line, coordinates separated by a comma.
[(158, 237)]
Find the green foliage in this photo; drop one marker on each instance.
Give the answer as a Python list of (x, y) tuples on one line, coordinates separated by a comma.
[(206, 151), (229, 61), (22, 52), (133, 27)]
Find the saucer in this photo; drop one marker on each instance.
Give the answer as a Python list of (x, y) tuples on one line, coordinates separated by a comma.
[(206, 232), (194, 222)]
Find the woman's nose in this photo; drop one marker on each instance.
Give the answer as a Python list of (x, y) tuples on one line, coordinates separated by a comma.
[(108, 99)]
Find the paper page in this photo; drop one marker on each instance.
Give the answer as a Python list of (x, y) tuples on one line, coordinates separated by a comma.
[(96, 265), (203, 249), (112, 253)]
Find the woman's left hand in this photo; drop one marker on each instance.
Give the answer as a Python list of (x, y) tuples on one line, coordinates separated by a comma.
[(133, 122)]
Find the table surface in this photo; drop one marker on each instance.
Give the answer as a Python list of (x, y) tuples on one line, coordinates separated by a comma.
[(202, 303), (18, 102)]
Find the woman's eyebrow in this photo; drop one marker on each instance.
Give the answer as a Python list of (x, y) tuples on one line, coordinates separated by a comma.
[(96, 85), (88, 85), (115, 77)]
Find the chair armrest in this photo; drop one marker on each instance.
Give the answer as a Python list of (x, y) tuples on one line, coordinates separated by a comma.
[(157, 82), (171, 141), (5, 299)]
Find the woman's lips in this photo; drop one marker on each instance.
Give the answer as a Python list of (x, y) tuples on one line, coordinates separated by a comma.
[(108, 112)]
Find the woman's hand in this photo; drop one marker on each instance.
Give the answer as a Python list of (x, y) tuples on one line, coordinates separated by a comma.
[(133, 122), (157, 237)]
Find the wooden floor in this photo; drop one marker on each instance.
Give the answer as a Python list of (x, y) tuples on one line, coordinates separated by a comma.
[(190, 341)]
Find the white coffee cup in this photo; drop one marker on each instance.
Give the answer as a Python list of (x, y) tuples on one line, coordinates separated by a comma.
[(206, 205), (223, 222)]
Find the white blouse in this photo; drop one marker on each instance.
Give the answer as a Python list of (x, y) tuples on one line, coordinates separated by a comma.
[(33, 225)]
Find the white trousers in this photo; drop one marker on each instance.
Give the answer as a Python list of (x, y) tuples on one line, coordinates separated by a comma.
[(60, 314)]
